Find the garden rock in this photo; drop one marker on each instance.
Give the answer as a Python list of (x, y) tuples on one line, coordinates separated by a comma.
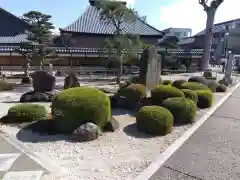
[(86, 132), (112, 125), (36, 96), (71, 81), (43, 82)]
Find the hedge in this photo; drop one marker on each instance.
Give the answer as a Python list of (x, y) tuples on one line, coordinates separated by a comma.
[(198, 79), (205, 98), (190, 94), (194, 86)]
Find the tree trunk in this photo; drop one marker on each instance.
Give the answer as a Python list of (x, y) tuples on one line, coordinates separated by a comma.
[(208, 39), (119, 73)]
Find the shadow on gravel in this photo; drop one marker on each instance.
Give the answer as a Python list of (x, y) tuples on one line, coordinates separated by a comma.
[(40, 131)]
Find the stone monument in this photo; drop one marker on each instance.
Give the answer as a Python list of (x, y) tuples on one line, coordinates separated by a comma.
[(151, 67)]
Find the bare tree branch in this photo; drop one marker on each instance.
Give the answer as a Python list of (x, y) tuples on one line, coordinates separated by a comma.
[(204, 4), (216, 3)]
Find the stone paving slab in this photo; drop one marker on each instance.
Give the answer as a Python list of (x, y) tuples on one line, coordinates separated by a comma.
[(230, 109), (212, 153), (14, 164)]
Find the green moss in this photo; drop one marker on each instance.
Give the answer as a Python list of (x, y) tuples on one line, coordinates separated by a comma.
[(190, 94), (184, 110), (221, 88), (162, 92), (194, 86), (76, 106), (154, 120), (27, 113), (198, 79), (205, 98), (166, 82), (178, 83)]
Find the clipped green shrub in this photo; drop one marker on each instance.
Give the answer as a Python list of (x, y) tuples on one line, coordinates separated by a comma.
[(212, 85), (133, 79), (166, 82), (205, 98), (5, 86), (194, 86), (184, 110), (224, 81), (178, 83), (154, 120), (133, 93), (162, 92), (75, 106), (27, 113), (198, 79), (190, 94), (221, 88), (207, 74)]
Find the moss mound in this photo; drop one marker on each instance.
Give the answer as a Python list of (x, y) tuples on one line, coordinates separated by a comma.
[(27, 113), (166, 82), (198, 79), (133, 93), (76, 106), (178, 83), (162, 92), (5, 86), (184, 110), (212, 85), (190, 94), (194, 86), (205, 99), (221, 88), (154, 120), (207, 74)]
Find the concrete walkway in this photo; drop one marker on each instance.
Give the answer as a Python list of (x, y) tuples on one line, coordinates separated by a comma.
[(14, 164), (212, 152)]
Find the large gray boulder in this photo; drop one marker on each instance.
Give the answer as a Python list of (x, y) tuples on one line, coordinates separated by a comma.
[(71, 81)]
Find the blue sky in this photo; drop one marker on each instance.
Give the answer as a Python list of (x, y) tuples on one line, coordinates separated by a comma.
[(160, 13)]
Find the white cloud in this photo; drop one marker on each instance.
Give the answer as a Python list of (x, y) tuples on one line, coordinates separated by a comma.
[(189, 14)]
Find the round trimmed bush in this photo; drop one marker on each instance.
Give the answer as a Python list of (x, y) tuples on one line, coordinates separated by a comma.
[(205, 99), (221, 88), (133, 79), (154, 120), (178, 83), (5, 86), (207, 74), (212, 85), (166, 82), (198, 79), (184, 110), (75, 106), (162, 92), (194, 86), (190, 94), (133, 93), (27, 113)]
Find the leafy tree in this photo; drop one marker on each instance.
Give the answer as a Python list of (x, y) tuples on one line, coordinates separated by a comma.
[(40, 34), (211, 11), (116, 13)]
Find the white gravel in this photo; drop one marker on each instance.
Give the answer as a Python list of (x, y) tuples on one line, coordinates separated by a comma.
[(114, 156)]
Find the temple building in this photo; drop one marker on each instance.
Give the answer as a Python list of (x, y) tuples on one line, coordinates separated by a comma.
[(86, 36)]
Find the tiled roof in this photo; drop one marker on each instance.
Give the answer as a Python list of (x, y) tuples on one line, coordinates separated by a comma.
[(90, 22), (218, 27), (62, 50), (13, 39)]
